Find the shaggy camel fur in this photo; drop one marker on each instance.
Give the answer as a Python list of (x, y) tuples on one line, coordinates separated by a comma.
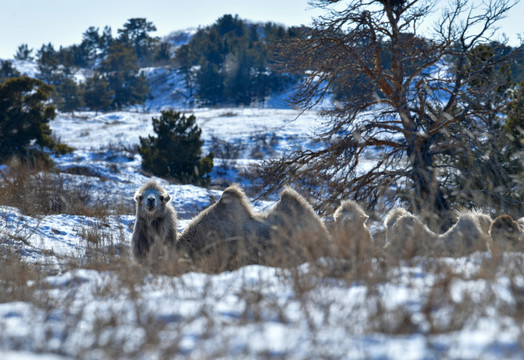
[(506, 234), (226, 235), (408, 237), (483, 219), (521, 223), (466, 236), (297, 233), (391, 218), (156, 220), (350, 231)]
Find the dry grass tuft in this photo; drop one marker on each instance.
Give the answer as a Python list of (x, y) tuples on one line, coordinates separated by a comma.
[(37, 191), (16, 275)]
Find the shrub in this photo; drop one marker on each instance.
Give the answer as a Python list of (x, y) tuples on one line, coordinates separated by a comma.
[(176, 150), (24, 119)]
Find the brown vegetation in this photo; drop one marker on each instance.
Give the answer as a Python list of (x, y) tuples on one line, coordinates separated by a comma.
[(38, 190)]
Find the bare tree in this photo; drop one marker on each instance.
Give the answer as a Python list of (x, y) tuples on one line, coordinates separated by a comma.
[(404, 92)]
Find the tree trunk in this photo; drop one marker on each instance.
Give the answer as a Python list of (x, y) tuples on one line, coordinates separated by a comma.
[(428, 197)]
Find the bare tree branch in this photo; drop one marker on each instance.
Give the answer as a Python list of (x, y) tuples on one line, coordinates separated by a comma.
[(423, 104)]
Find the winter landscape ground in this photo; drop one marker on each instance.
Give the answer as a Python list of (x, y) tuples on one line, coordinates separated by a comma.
[(69, 289)]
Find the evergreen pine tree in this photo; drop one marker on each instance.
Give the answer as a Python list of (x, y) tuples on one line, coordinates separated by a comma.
[(230, 62), (138, 89), (210, 84), (97, 95), (47, 62), (24, 118), (122, 73), (184, 62), (106, 40), (91, 42), (70, 94), (136, 35), (176, 150), (7, 71), (80, 56), (162, 54), (23, 53)]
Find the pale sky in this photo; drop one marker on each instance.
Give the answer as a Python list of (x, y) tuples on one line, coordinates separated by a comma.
[(62, 22)]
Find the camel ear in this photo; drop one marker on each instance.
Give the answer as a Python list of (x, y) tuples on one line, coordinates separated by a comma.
[(167, 198)]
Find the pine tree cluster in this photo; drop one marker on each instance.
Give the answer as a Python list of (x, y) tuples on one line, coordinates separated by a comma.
[(230, 62)]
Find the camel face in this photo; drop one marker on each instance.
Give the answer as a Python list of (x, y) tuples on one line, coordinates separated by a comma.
[(151, 200)]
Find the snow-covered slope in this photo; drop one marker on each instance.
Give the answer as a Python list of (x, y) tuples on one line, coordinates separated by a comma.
[(465, 308), (104, 163)]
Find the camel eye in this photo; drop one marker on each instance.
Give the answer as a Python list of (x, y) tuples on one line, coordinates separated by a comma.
[(140, 197), (161, 198)]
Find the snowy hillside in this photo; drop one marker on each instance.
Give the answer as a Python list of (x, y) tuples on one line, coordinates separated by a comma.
[(89, 302), (104, 163)]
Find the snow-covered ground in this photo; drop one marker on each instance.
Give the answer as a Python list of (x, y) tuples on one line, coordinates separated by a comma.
[(258, 312), (428, 309)]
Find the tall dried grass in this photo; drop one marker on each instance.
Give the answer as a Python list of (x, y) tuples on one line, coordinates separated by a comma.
[(329, 262), (35, 190)]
